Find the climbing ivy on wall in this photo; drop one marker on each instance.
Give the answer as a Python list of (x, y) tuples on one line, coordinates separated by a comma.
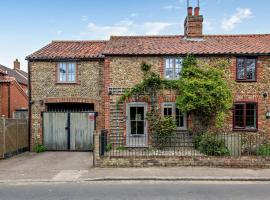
[(150, 86), (205, 92)]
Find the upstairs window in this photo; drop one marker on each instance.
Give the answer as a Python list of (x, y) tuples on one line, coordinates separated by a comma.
[(173, 68), (245, 116), (66, 72), (246, 69)]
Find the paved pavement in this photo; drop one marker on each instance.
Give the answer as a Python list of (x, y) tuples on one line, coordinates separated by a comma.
[(77, 167), (137, 190)]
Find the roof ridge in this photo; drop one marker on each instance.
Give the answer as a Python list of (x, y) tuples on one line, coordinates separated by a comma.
[(146, 36), (235, 35), (93, 41)]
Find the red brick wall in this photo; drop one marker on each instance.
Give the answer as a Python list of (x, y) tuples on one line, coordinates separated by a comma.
[(18, 98)]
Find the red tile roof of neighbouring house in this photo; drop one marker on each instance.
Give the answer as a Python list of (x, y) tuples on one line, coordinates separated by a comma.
[(69, 50), (170, 45), (20, 75)]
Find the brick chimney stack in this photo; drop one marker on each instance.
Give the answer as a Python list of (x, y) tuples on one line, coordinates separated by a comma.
[(16, 65), (194, 23)]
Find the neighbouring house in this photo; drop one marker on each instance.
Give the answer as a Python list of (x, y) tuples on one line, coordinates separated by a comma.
[(13, 91), (68, 76)]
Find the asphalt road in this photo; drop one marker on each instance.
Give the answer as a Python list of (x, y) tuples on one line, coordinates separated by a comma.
[(137, 190)]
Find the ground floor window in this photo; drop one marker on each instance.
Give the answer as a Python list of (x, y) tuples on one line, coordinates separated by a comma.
[(170, 110), (245, 116)]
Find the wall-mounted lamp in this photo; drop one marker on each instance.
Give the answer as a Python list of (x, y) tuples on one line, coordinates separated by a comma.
[(267, 114)]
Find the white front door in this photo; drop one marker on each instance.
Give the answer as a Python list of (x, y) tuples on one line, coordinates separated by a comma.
[(136, 125)]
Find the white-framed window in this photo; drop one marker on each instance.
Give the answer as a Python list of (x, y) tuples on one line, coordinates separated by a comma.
[(170, 110), (66, 72), (173, 67)]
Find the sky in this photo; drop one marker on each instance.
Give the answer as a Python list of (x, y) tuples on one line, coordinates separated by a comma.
[(28, 25)]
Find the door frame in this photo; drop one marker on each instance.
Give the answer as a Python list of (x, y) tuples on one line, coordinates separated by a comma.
[(128, 124)]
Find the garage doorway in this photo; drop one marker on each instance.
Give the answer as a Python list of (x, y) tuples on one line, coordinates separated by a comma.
[(69, 127)]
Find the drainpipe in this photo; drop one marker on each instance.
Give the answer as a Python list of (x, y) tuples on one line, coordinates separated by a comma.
[(29, 106), (9, 99)]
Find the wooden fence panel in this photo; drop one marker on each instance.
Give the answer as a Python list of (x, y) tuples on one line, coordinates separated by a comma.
[(13, 137), (2, 147)]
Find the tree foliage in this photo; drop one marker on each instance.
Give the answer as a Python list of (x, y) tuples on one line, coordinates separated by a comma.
[(204, 91)]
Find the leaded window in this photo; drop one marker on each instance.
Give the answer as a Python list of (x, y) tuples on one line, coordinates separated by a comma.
[(173, 67), (246, 69), (66, 72)]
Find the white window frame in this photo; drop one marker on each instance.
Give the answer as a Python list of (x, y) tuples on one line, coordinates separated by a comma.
[(175, 75), (173, 106), (67, 72)]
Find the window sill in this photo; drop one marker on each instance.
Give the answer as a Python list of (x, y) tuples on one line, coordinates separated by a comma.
[(246, 81), (245, 130), (67, 83)]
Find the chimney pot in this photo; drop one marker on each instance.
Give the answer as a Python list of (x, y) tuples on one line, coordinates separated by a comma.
[(16, 65), (190, 11), (197, 11)]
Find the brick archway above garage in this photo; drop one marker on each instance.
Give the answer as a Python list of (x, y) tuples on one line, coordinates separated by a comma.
[(69, 100)]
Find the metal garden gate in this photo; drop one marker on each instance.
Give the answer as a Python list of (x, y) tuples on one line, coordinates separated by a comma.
[(68, 131)]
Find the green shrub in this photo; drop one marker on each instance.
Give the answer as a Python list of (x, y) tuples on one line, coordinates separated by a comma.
[(39, 148), (164, 129), (109, 147), (92, 147), (264, 150), (121, 148), (210, 145)]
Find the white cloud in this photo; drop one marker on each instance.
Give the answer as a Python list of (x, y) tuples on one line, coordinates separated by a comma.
[(155, 28), (238, 17), (124, 27)]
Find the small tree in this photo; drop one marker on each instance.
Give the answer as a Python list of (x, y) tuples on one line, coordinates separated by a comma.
[(205, 93)]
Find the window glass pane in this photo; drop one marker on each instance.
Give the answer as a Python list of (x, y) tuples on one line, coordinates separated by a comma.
[(71, 72), (240, 68), (140, 114), (169, 73), (179, 117), (239, 115), (169, 67), (62, 72), (178, 67), (169, 63), (251, 117), (133, 127), (71, 68), (168, 112), (140, 128), (132, 113), (251, 68)]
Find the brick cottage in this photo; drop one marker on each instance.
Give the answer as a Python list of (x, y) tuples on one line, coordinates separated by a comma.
[(91, 76)]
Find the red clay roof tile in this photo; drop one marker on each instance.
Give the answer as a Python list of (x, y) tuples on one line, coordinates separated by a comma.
[(155, 45), (69, 50), (169, 45)]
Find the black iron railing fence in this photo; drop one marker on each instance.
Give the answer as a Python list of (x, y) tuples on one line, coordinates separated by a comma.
[(182, 144)]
